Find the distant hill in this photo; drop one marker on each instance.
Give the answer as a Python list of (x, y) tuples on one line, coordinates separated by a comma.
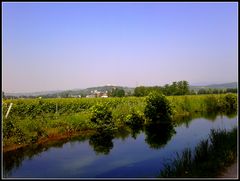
[(110, 87), (73, 91), (215, 86), (32, 93), (100, 88)]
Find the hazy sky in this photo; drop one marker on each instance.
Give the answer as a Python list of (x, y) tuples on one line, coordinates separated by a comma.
[(57, 46)]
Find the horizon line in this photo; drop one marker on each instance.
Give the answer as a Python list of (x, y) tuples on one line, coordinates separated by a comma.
[(72, 89)]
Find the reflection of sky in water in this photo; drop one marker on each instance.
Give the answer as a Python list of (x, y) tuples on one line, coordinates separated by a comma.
[(128, 158)]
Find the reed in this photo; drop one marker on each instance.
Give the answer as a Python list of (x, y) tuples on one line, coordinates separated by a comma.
[(208, 159)]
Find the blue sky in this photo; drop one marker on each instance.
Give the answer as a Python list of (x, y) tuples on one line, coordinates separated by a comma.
[(58, 46)]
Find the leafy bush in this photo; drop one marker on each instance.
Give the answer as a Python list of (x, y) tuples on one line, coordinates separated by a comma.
[(211, 102), (134, 119), (158, 107), (101, 115), (231, 102), (8, 128), (226, 103)]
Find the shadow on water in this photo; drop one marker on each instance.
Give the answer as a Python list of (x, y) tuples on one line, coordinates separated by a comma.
[(13, 159), (158, 134), (101, 142), (211, 116), (136, 129)]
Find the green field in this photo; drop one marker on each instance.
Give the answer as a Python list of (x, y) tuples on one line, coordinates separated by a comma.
[(30, 120)]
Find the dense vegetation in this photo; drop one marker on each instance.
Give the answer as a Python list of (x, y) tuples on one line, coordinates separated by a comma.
[(117, 92), (176, 88), (207, 160), (157, 107), (180, 88), (30, 120), (216, 91)]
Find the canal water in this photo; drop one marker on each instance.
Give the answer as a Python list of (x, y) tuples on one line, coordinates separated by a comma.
[(140, 153)]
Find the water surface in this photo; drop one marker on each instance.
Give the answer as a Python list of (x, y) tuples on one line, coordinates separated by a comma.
[(136, 153)]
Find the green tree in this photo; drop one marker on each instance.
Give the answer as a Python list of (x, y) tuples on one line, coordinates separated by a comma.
[(185, 87), (202, 91), (182, 88), (167, 90), (174, 88), (118, 92), (158, 107), (140, 91)]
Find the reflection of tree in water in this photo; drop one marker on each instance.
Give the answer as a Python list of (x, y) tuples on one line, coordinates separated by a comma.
[(231, 114), (179, 120), (102, 142), (13, 159), (135, 130), (211, 116), (135, 122), (122, 133), (158, 134)]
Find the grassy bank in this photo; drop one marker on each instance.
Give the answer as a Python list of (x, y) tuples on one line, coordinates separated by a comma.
[(208, 159), (31, 120)]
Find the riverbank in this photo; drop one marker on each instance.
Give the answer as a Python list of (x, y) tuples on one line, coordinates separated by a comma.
[(49, 139)]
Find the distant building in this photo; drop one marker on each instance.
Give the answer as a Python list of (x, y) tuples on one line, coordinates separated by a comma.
[(104, 96), (91, 96), (76, 96), (97, 93)]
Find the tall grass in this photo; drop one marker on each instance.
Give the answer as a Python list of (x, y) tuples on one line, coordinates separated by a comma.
[(208, 158)]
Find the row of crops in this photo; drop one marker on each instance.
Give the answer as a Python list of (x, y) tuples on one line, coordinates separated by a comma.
[(66, 106), (62, 106)]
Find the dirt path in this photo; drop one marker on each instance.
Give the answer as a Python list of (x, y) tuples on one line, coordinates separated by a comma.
[(231, 172)]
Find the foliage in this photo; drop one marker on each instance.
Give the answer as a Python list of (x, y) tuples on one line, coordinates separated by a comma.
[(176, 88), (158, 107), (117, 92), (102, 142), (135, 120), (231, 102), (158, 135), (208, 158), (144, 91), (216, 91), (101, 115), (226, 103)]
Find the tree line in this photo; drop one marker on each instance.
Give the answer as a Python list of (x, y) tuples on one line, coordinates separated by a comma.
[(217, 91), (176, 88), (179, 88)]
